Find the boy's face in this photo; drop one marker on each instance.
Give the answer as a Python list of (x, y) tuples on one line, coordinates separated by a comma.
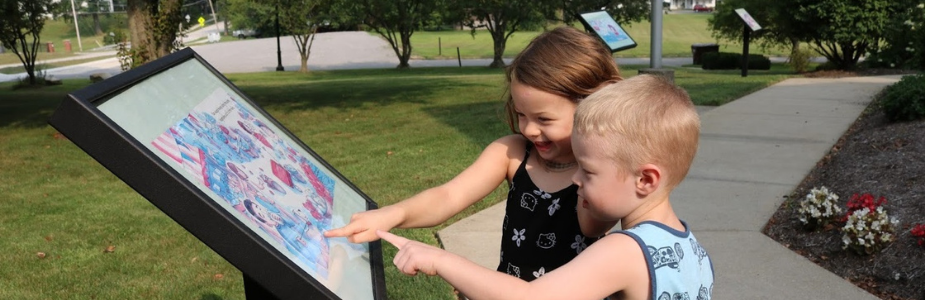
[(546, 120), (605, 191)]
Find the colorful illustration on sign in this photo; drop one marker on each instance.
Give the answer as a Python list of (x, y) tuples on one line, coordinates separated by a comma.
[(608, 29), (267, 182)]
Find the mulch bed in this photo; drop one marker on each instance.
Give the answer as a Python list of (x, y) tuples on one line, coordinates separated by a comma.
[(883, 159)]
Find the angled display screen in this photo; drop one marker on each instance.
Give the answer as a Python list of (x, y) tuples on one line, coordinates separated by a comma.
[(608, 30), (264, 188)]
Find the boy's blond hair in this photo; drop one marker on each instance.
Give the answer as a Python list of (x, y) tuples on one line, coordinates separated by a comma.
[(640, 120)]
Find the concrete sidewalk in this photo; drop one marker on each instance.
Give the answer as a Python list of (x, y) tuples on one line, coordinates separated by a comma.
[(753, 152)]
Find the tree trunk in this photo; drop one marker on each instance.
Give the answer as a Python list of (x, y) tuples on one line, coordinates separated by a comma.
[(154, 26), (405, 50), (500, 43), (96, 24)]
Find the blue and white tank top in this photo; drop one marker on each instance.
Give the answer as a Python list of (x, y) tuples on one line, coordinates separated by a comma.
[(679, 268)]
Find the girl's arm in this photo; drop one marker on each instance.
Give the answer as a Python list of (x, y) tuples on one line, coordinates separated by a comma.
[(613, 264), (435, 205)]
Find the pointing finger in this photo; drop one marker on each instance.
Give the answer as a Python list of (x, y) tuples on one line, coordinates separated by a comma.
[(395, 240)]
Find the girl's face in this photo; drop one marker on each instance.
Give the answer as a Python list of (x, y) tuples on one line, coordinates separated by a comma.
[(546, 120)]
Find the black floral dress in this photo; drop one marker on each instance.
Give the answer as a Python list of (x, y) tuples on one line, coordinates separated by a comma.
[(540, 230)]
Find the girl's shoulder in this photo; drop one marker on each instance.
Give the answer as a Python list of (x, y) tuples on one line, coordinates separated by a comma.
[(513, 147)]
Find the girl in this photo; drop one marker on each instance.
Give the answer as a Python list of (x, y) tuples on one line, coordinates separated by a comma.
[(540, 229)]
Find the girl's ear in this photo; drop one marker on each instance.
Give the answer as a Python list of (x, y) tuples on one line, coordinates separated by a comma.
[(648, 179)]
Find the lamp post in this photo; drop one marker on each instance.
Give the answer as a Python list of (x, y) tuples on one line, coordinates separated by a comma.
[(279, 54)]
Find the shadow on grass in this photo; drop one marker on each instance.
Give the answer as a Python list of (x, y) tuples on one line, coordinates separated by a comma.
[(30, 107), (211, 296), (353, 93), (481, 122)]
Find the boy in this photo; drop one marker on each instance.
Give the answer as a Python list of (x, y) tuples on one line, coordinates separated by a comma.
[(634, 141)]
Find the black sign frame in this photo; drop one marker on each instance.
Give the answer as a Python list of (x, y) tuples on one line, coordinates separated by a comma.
[(268, 273)]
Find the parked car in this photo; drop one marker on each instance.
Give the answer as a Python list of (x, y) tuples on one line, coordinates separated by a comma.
[(245, 33), (702, 8)]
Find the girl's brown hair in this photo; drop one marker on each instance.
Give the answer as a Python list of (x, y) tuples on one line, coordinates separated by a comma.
[(565, 62)]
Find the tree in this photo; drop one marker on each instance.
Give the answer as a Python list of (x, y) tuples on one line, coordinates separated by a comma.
[(778, 23), (154, 26), (843, 30), (250, 14), (501, 18), (394, 20), (20, 22), (302, 19)]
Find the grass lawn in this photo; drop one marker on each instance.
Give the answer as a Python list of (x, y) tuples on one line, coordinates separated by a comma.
[(680, 31), (56, 31), (391, 132)]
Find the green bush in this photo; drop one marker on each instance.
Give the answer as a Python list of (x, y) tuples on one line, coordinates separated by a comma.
[(905, 100), (730, 61), (799, 60)]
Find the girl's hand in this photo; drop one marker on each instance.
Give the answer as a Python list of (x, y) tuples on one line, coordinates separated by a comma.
[(362, 227), (413, 256)]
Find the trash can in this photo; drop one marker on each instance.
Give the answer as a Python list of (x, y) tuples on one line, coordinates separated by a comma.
[(2, 50), (697, 50), (51, 47), (67, 45)]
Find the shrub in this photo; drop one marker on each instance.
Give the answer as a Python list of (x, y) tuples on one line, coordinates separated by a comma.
[(799, 60), (868, 227), (905, 100), (730, 61), (819, 208)]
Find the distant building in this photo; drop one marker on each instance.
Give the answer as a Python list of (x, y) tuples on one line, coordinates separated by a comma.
[(689, 4)]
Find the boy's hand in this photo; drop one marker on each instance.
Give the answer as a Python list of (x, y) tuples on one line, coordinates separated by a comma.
[(413, 256), (362, 227)]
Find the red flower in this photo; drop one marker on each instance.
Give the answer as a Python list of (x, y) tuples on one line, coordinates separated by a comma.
[(919, 232)]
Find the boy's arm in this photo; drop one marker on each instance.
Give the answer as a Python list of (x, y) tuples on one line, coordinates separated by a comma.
[(615, 263), (436, 205), (591, 227)]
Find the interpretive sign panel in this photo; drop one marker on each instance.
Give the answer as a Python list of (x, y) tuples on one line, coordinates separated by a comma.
[(195, 146), (749, 21), (607, 29)]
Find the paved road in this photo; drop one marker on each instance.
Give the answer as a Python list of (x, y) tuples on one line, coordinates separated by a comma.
[(333, 50), (330, 51)]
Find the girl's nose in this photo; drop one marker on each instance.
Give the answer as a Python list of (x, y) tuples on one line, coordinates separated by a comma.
[(531, 129)]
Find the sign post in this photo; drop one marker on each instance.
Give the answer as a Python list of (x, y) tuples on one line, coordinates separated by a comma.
[(750, 25)]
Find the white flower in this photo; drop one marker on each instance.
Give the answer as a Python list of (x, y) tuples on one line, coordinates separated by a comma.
[(921, 6), (879, 60), (518, 236), (886, 237), (892, 65), (845, 239), (909, 22)]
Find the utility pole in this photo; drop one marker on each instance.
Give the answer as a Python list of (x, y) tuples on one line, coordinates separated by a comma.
[(213, 13), (76, 28)]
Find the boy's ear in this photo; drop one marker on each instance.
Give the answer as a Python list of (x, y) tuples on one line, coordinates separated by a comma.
[(648, 179)]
